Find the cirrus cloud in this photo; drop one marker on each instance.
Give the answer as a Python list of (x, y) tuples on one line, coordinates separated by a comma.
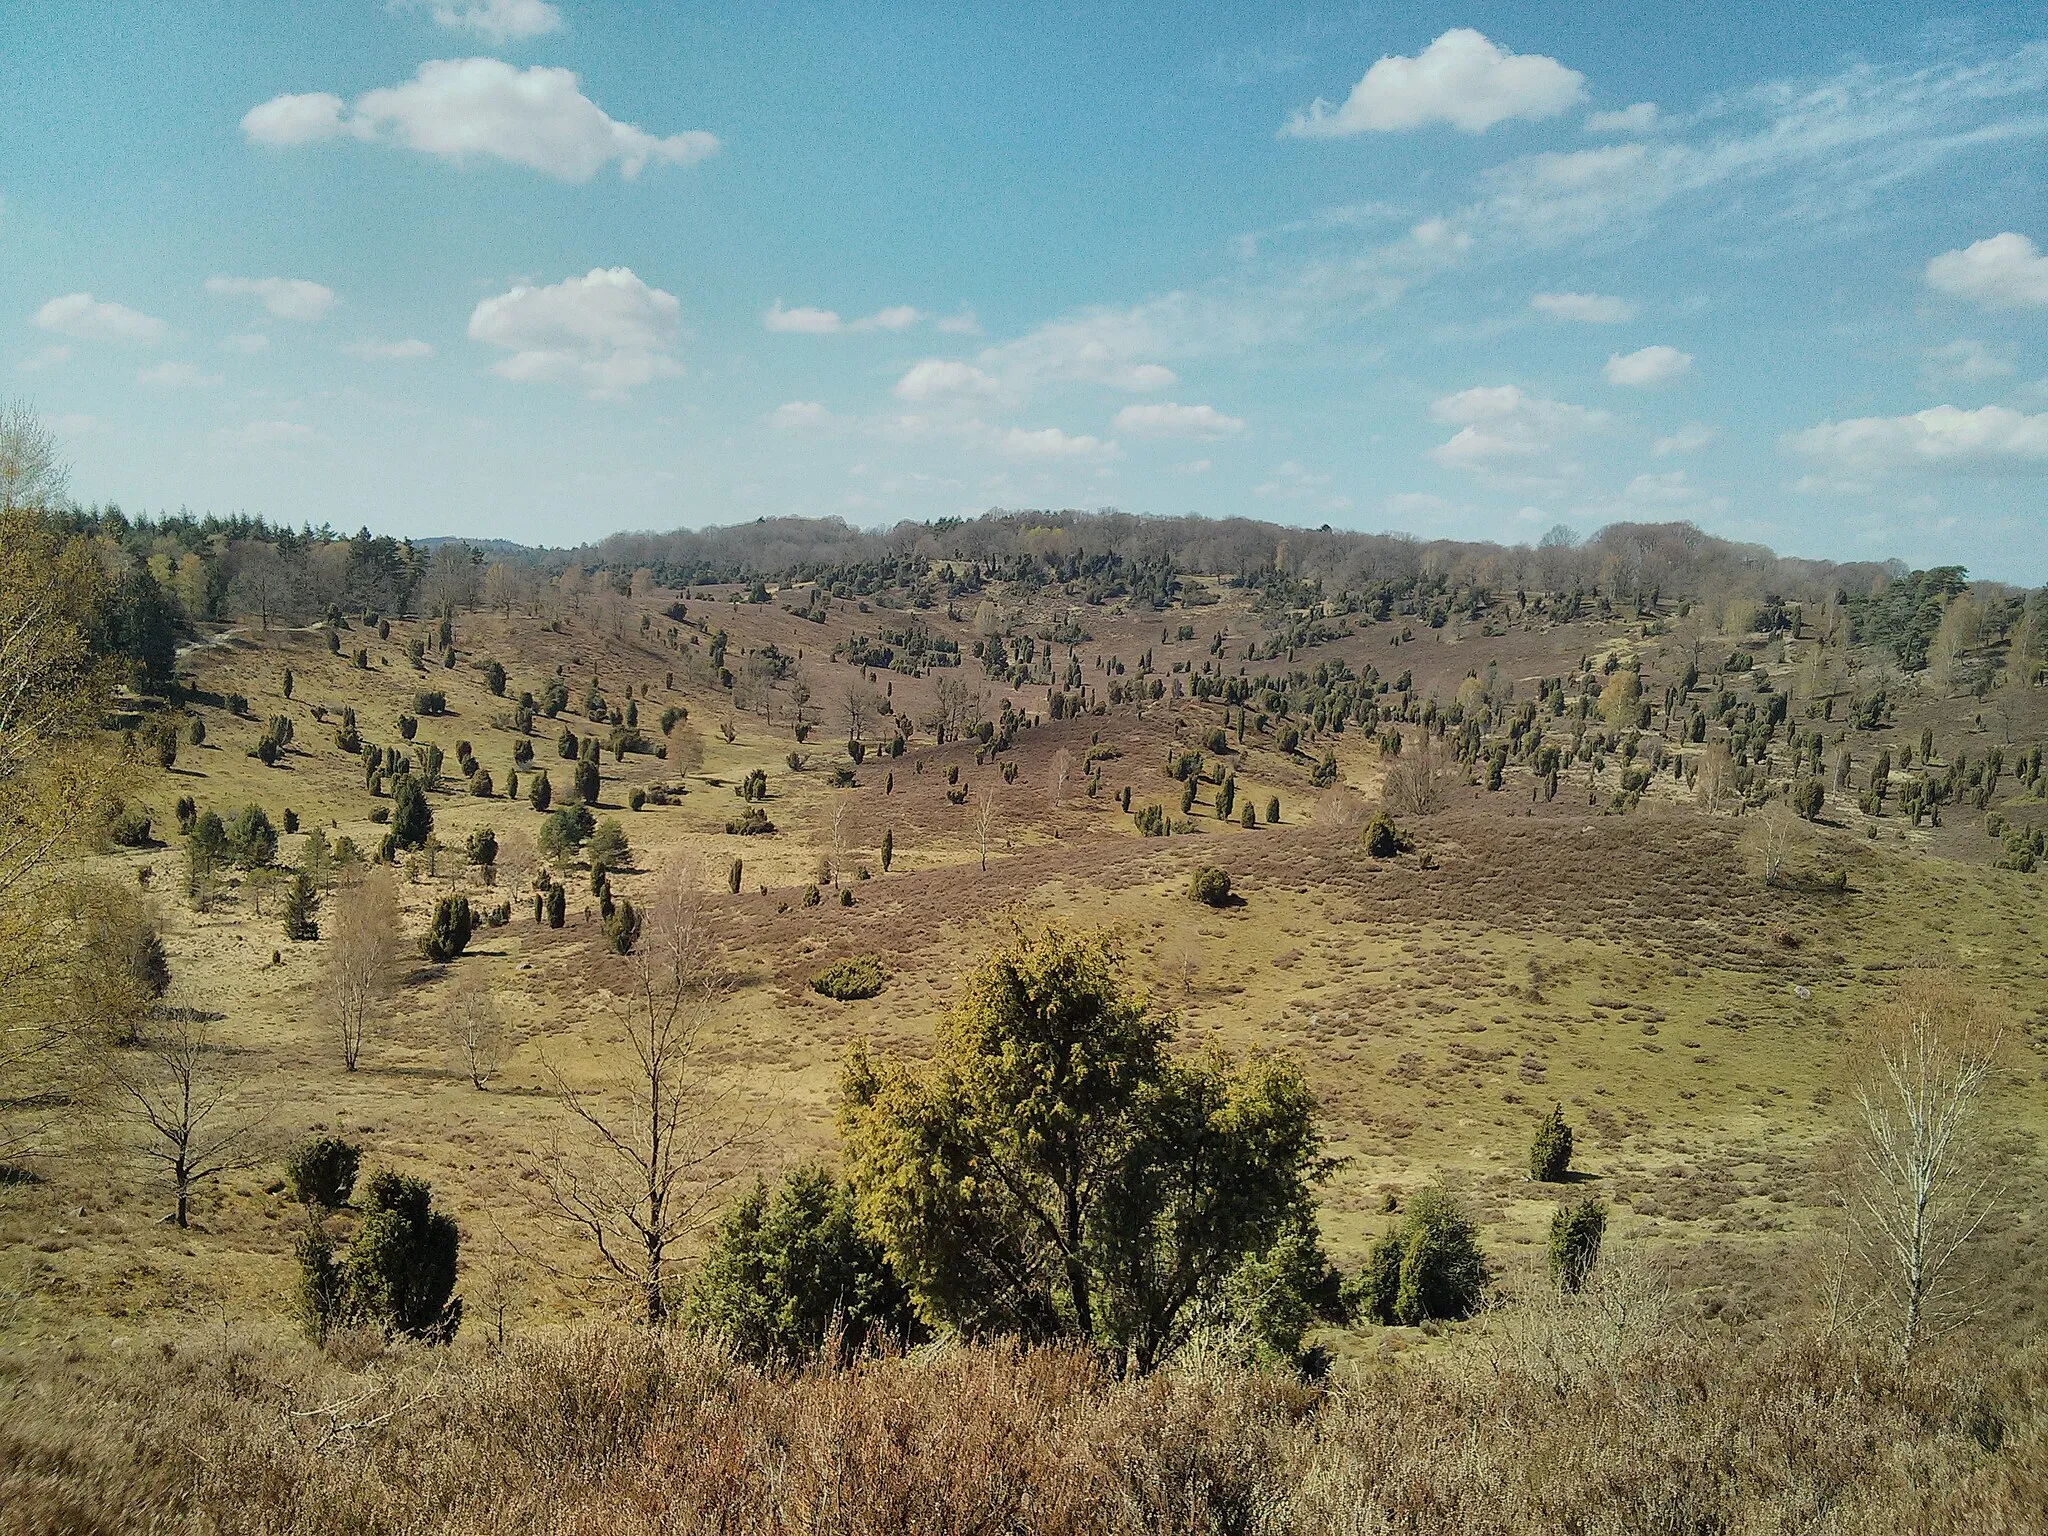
[(1168, 419), (607, 330), (85, 318), (459, 109), (2004, 272), (1462, 79)]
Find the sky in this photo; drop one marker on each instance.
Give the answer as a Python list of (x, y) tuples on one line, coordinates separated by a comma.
[(543, 270)]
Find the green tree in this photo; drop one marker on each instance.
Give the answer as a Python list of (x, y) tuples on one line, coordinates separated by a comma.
[(608, 849), (1428, 1266), (412, 819), (321, 1172), (542, 794), (1211, 886), (1576, 1231), (400, 1265), (791, 1271), (251, 839), (1550, 1154), (449, 930), (587, 781), (1054, 1174), (301, 901)]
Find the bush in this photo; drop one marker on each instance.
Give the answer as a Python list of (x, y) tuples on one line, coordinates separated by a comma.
[(412, 819), (608, 849), (636, 799), (1211, 886), (791, 1272), (1272, 810), (251, 839), (448, 933), (1250, 818), (1384, 840), (301, 901), (128, 827), (431, 702), (752, 822), (400, 1266), (322, 1172), (1576, 1231), (542, 794), (1550, 1154), (557, 906), (1425, 1268), (494, 678), (1808, 796), (587, 781), (622, 928), (852, 980), (482, 846)]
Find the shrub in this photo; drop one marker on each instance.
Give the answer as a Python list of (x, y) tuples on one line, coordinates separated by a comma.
[(1211, 886), (301, 900), (188, 813), (563, 832), (494, 677), (557, 906), (482, 846), (431, 702), (128, 827), (1272, 810), (196, 733), (1251, 816), (1576, 1231), (637, 799), (888, 848), (608, 848), (622, 928), (408, 726), (791, 1272), (321, 1172), (851, 980), (812, 896), (400, 1266), (732, 877), (251, 839), (448, 932), (541, 795), (1808, 796), (412, 819), (1384, 840), (1427, 1267), (587, 781), (752, 822), (754, 786), (846, 896), (1550, 1154)]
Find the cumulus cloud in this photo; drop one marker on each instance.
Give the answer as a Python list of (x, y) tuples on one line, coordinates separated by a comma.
[(1049, 443), (1168, 419), (1585, 308), (896, 317), (965, 323), (288, 298), (495, 21), (799, 415), (1511, 438), (1965, 361), (459, 109), (1648, 368), (177, 376), (1690, 438), (1992, 440), (1461, 79), (805, 321), (2003, 272), (940, 378), (85, 318), (389, 351), (47, 357), (606, 330), (1643, 117)]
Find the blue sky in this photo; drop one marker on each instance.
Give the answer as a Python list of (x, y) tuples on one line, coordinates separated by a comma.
[(546, 270)]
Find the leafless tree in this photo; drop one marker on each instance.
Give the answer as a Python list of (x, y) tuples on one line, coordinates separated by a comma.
[(262, 583), (1716, 780), (986, 816), (656, 1138), (1058, 774), (842, 834), (1770, 840), (363, 948), (183, 1093), (1924, 1194), (862, 705), (1415, 783), (33, 474), (479, 1033)]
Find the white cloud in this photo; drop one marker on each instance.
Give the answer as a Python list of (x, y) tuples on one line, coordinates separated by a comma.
[(265, 434), (48, 357), (1643, 117), (1049, 443), (1648, 368), (1690, 438), (457, 109), (389, 351), (1292, 482), (1990, 440), (177, 376), (1510, 438), (2003, 272), (962, 324), (86, 318), (1461, 79), (1585, 308), (936, 378), (288, 298), (607, 330), (799, 415), (246, 344), (805, 321), (496, 21), (1965, 361), (1170, 420)]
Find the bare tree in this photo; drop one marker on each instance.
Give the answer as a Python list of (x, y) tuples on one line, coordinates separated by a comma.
[(655, 1145), (1923, 1195), (1770, 840), (1058, 773), (1415, 783), (33, 474), (182, 1091), (363, 946), (479, 1033), (862, 705), (986, 816), (262, 580), (1716, 781), (842, 834)]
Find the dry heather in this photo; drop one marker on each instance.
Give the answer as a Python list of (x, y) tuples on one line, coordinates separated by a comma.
[(1573, 1420)]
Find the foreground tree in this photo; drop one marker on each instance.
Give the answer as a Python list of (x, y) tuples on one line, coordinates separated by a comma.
[(1054, 1174), (183, 1094), (657, 1133), (364, 945), (1924, 1192)]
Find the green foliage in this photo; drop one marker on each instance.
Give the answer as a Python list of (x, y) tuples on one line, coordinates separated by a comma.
[(1054, 1174), (563, 832), (888, 848), (1210, 886), (251, 839), (301, 901), (1427, 1267), (587, 781), (752, 822), (1383, 839), (1272, 810), (321, 1172), (1550, 1154), (851, 980), (557, 906), (128, 826), (1250, 818), (621, 927), (449, 930), (790, 1272), (1808, 796), (412, 819), (608, 849), (732, 876), (541, 794), (1576, 1231), (482, 847), (494, 677), (400, 1265)]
